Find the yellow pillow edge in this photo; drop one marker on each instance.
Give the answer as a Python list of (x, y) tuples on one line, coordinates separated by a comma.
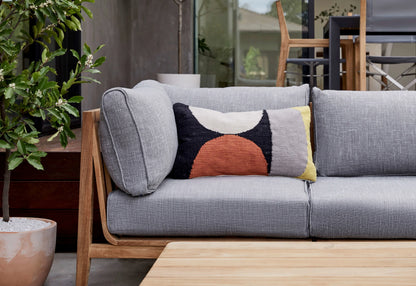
[(310, 170)]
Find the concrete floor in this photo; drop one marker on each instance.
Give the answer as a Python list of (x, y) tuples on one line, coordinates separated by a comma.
[(104, 272)]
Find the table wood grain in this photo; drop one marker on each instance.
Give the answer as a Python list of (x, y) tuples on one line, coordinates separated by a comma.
[(286, 263)]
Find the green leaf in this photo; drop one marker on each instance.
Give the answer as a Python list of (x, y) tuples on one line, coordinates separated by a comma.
[(13, 135), (36, 76), (55, 113), (63, 139), (61, 34), (8, 93), (5, 145), (87, 11), (69, 132), (39, 154), (67, 85), (31, 140), (93, 71), (71, 110), (45, 84), (75, 99), (48, 11), (90, 79), (53, 136), (21, 148), (60, 13), (42, 114), (20, 129), (14, 163), (45, 55), (21, 92), (31, 148), (71, 25), (70, 4), (58, 53), (35, 162), (75, 54), (76, 22), (66, 119), (98, 62), (86, 49), (99, 48)]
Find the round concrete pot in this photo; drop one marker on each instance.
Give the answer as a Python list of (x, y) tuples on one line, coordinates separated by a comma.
[(26, 257), (182, 80)]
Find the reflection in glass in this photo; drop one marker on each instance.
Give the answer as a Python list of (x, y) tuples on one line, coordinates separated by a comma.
[(238, 41)]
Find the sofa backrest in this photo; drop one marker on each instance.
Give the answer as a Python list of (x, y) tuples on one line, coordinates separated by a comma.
[(364, 133), (138, 131), (236, 98)]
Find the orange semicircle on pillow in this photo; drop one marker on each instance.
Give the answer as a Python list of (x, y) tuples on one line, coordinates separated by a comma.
[(229, 155)]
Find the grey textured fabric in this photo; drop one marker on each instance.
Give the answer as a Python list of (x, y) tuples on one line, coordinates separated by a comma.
[(138, 132), (289, 143), (364, 207), (220, 206), (365, 133), (138, 138), (235, 99)]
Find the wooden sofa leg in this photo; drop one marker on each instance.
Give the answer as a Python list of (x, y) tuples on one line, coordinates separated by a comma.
[(86, 203), (83, 269)]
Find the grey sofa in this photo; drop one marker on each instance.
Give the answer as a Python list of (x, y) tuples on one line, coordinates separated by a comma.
[(365, 155)]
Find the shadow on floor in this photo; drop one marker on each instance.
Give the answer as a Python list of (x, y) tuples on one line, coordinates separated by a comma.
[(104, 272)]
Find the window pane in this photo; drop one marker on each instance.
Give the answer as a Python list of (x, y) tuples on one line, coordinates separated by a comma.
[(215, 31), (239, 41)]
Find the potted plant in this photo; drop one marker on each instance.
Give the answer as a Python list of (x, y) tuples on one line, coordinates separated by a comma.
[(27, 245)]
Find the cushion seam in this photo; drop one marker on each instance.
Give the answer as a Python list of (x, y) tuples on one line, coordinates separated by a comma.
[(140, 140), (309, 189), (309, 211), (112, 140), (315, 129)]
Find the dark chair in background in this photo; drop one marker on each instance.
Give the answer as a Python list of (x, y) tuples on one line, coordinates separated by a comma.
[(387, 21), (287, 43)]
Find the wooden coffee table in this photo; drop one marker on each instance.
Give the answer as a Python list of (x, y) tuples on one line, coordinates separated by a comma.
[(389, 263)]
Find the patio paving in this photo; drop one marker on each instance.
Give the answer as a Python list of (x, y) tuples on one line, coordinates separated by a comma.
[(104, 272)]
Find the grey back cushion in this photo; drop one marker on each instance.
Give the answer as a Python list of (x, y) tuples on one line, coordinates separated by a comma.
[(365, 133), (138, 138), (138, 132), (235, 99)]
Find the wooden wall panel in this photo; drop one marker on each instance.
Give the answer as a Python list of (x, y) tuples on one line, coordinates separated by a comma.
[(62, 166)]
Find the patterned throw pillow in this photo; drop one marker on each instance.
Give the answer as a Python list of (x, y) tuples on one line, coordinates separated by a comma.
[(264, 142)]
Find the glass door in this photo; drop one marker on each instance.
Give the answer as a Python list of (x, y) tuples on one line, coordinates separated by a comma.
[(238, 41)]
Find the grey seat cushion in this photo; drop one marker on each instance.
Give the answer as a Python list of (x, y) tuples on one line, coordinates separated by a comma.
[(364, 207), (364, 133), (220, 206)]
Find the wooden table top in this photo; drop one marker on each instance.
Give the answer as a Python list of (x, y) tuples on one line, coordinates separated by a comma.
[(286, 263)]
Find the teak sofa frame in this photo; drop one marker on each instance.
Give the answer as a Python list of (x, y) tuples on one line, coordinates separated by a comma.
[(94, 176)]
